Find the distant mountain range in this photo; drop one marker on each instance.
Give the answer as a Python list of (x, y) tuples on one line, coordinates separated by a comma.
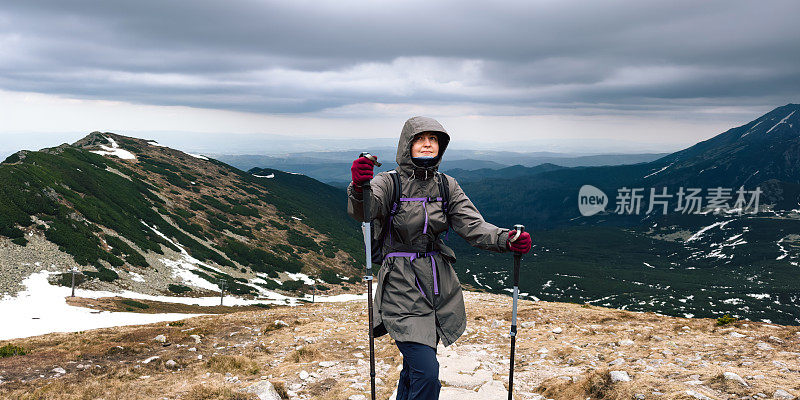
[(764, 153), (333, 167)]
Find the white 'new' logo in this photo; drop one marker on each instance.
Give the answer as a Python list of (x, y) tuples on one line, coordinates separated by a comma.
[(591, 200)]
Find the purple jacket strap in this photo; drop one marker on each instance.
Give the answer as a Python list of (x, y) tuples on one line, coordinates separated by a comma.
[(424, 201), (419, 287), (435, 281), (401, 254)]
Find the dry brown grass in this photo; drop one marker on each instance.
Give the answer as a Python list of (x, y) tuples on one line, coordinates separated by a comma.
[(116, 304), (596, 384), (280, 387), (209, 392), (563, 352), (232, 364), (718, 382), (305, 354)]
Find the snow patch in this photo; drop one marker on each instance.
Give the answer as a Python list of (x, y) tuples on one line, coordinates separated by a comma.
[(299, 276), (114, 150), (47, 304), (136, 277), (751, 129), (734, 301), (182, 268), (198, 156), (784, 251), (670, 164), (782, 121), (699, 233), (270, 176)]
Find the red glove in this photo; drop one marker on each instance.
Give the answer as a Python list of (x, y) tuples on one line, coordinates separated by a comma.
[(523, 243), (361, 172)]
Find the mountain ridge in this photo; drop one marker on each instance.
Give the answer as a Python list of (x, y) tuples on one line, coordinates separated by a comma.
[(116, 203)]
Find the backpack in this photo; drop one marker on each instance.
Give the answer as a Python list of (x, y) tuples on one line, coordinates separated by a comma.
[(386, 227)]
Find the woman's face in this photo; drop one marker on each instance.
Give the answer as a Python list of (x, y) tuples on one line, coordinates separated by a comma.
[(425, 144)]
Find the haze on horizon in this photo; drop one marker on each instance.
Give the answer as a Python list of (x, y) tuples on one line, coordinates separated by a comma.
[(566, 76)]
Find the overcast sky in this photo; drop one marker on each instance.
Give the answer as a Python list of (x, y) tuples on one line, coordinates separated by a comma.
[(635, 75)]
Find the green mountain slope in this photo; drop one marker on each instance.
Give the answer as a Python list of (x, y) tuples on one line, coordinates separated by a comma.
[(113, 211)]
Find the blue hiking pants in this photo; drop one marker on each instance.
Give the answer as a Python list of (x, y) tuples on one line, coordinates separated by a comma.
[(419, 379)]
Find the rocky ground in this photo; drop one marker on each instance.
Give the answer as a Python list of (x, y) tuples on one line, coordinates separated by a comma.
[(320, 351), (16, 265)]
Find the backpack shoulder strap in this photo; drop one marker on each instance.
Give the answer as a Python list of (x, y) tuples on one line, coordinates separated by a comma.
[(444, 191), (386, 226), (397, 188)]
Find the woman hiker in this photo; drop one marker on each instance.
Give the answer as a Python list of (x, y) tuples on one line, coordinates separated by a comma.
[(418, 300)]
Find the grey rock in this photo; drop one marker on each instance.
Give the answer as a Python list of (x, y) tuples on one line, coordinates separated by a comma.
[(327, 364), (620, 376), (764, 346), (734, 377), (697, 395), (782, 395), (264, 390), (618, 361)]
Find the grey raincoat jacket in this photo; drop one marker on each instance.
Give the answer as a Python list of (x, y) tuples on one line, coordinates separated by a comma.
[(420, 300)]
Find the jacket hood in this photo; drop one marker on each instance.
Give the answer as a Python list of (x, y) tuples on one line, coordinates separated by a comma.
[(412, 127)]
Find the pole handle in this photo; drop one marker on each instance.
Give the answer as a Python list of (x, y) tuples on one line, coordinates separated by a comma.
[(371, 158), (519, 228)]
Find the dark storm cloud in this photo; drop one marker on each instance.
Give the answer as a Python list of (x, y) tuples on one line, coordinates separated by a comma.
[(300, 56)]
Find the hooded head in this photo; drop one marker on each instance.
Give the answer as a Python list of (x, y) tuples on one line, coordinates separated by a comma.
[(414, 126)]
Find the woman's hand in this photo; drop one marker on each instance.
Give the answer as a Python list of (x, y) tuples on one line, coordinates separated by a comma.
[(361, 172), (523, 243)]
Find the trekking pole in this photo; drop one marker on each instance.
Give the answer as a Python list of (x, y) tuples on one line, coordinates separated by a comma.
[(366, 229), (517, 258)]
